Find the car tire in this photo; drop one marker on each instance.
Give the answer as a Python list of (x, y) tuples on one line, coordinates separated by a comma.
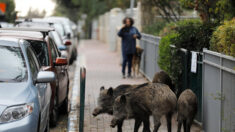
[(54, 114), (38, 127), (73, 56), (48, 126), (64, 106)]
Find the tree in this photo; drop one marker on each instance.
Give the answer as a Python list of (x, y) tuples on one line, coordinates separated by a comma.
[(92, 8), (35, 13), (212, 10), (10, 14), (170, 10)]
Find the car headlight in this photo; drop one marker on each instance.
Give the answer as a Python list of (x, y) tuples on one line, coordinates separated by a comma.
[(16, 112)]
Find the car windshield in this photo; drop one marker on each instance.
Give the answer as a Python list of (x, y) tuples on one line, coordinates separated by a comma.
[(40, 47), (13, 67)]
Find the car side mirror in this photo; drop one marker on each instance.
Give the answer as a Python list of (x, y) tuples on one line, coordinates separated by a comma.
[(62, 47), (45, 77), (61, 61), (67, 43)]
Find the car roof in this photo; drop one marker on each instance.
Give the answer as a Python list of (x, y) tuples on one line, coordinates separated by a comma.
[(43, 30), (8, 41), (28, 35), (37, 29)]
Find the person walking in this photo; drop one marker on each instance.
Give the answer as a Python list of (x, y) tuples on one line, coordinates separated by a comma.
[(129, 34)]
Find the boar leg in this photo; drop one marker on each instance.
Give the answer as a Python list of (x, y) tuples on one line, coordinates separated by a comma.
[(168, 118), (185, 124), (137, 125), (157, 123), (189, 124), (146, 125), (179, 126), (119, 128)]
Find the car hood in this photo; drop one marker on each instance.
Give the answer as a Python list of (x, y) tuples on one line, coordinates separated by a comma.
[(13, 93)]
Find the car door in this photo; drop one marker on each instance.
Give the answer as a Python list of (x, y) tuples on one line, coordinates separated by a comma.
[(43, 89), (61, 72)]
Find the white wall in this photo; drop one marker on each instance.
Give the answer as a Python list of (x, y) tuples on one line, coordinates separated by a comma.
[(110, 23)]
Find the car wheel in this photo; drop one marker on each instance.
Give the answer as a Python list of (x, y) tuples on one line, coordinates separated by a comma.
[(73, 56), (64, 106), (54, 114), (48, 126), (38, 128)]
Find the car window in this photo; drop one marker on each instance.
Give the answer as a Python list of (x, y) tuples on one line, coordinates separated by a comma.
[(13, 66), (34, 66), (54, 51), (59, 28), (41, 51)]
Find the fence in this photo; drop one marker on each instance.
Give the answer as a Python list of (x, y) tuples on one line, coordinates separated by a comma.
[(188, 79), (149, 65), (218, 92)]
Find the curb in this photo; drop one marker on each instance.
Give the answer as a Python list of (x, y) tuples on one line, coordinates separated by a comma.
[(73, 116)]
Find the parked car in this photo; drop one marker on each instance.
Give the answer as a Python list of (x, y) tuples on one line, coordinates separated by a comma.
[(51, 60), (62, 43), (25, 91), (69, 35)]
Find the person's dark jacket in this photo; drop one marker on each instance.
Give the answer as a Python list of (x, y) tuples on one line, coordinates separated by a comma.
[(128, 41)]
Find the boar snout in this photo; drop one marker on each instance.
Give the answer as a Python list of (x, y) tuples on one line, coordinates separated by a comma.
[(96, 111)]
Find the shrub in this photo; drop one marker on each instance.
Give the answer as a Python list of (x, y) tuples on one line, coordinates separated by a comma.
[(188, 34), (223, 39), (193, 34), (165, 51)]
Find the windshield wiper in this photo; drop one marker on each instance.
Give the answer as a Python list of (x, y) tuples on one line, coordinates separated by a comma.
[(18, 78)]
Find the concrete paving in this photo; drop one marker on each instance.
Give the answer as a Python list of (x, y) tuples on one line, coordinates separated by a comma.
[(103, 69)]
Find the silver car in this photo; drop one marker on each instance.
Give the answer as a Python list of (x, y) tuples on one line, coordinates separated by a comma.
[(24, 89)]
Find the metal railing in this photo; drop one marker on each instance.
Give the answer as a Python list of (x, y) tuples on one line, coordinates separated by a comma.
[(218, 92), (149, 65)]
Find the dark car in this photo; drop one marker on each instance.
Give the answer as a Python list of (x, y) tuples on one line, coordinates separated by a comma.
[(51, 60)]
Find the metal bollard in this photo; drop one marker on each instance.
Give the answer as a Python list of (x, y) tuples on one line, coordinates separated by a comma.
[(82, 97)]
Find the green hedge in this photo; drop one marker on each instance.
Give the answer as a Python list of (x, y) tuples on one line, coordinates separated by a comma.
[(223, 39), (187, 34)]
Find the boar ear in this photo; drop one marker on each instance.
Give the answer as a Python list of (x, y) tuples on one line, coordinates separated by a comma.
[(110, 91), (102, 88), (123, 99)]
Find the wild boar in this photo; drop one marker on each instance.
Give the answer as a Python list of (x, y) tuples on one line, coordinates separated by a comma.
[(163, 77), (106, 100), (187, 109), (153, 99)]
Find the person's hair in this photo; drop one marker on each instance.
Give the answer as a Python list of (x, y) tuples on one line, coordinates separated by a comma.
[(131, 20)]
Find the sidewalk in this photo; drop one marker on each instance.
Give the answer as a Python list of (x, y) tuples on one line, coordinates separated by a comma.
[(103, 69)]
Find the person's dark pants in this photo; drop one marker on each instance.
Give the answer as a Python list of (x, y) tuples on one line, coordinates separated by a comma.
[(127, 59)]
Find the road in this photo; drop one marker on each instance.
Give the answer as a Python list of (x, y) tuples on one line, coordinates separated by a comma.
[(63, 119)]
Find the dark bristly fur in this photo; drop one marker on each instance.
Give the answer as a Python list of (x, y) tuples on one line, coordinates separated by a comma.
[(153, 99), (163, 77), (107, 97), (187, 109)]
